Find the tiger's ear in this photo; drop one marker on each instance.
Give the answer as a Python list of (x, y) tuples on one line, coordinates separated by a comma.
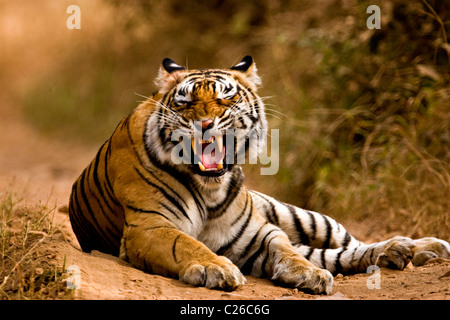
[(248, 67), (168, 75), (170, 66)]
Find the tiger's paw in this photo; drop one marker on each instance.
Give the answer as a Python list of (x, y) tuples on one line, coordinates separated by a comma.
[(306, 278), (218, 274), (430, 248), (397, 253)]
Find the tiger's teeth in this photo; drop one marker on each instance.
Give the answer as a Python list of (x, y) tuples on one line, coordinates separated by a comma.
[(201, 166), (194, 145), (220, 165), (220, 143), (211, 140)]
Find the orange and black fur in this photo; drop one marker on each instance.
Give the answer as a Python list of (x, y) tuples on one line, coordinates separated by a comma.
[(196, 220)]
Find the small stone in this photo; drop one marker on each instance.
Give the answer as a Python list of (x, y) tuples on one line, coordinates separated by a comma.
[(39, 271)]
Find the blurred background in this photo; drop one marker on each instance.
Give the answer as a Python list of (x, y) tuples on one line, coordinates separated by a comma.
[(363, 114)]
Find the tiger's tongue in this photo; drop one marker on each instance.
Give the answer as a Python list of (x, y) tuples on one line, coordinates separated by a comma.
[(211, 159)]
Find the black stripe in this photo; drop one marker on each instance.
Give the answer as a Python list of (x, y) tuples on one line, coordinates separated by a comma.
[(99, 229), (248, 266), (364, 254), (131, 138), (145, 211), (169, 209), (87, 244), (100, 209), (110, 196), (166, 185), (99, 188), (255, 108), (126, 121), (303, 237), (76, 215), (347, 239), (264, 273), (234, 187), (209, 72), (168, 196), (250, 244), (225, 118), (248, 101), (173, 248), (309, 253), (372, 250), (270, 213), (312, 225), (81, 233), (148, 267), (273, 213), (162, 136), (112, 233), (108, 185), (353, 256), (326, 243), (337, 262), (322, 258), (222, 250), (125, 254), (158, 227), (243, 210)]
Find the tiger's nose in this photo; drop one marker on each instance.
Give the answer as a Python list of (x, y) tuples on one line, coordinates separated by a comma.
[(207, 124)]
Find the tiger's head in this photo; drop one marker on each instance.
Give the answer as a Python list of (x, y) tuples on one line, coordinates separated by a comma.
[(211, 118)]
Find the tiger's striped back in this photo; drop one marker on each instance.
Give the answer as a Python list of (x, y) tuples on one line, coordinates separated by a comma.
[(96, 216)]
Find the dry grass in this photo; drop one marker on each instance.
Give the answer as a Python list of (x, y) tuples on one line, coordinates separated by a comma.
[(25, 271)]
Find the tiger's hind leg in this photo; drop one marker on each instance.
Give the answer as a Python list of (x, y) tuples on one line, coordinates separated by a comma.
[(394, 253), (430, 248), (327, 244), (304, 227)]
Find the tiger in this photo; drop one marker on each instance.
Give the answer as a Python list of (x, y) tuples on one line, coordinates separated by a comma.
[(196, 220)]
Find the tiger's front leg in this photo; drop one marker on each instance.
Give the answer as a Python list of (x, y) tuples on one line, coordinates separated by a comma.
[(288, 268), (263, 250), (161, 248)]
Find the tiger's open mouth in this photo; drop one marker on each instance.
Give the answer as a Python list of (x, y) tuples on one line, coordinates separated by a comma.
[(209, 156)]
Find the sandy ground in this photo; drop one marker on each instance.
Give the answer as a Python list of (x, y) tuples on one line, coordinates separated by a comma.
[(44, 171)]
